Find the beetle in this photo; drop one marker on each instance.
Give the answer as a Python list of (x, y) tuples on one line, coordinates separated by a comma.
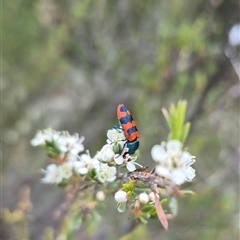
[(129, 128)]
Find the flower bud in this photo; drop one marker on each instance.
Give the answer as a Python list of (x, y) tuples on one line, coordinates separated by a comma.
[(143, 198), (117, 148), (100, 195), (151, 196), (107, 153), (137, 204), (120, 196)]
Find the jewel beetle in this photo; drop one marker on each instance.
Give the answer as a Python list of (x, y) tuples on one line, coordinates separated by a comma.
[(129, 128)]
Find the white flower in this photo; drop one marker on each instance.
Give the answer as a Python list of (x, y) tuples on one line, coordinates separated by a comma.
[(70, 143), (116, 136), (190, 173), (65, 170), (128, 160), (106, 154), (118, 159), (72, 158), (131, 163), (143, 198), (64, 142), (163, 171), (52, 174), (39, 139), (100, 195), (45, 135), (80, 167), (174, 146), (106, 173), (158, 153), (120, 196), (95, 162), (173, 163), (84, 164)]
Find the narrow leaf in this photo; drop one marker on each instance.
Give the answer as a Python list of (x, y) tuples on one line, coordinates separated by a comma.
[(161, 215), (181, 110), (166, 116), (185, 131), (174, 206), (174, 121)]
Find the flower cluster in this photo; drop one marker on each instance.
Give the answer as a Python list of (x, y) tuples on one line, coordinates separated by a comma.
[(62, 141), (143, 205), (172, 162), (69, 160), (139, 188), (173, 167), (115, 151), (121, 196)]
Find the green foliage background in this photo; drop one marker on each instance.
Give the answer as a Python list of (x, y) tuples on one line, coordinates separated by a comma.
[(67, 64)]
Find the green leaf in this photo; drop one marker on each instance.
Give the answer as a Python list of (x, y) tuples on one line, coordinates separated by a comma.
[(173, 120), (62, 184), (164, 201), (173, 205), (121, 207), (143, 220), (181, 112), (148, 208), (140, 187), (153, 212), (128, 187), (52, 152), (166, 116), (91, 175), (175, 117), (185, 131)]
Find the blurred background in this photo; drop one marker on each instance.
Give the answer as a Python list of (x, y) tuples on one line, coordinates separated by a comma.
[(68, 64)]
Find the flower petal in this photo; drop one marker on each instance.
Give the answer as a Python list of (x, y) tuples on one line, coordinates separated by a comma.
[(118, 159), (190, 173), (83, 170), (158, 153), (178, 176), (52, 167), (174, 145), (186, 158), (131, 166), (162, 171)]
